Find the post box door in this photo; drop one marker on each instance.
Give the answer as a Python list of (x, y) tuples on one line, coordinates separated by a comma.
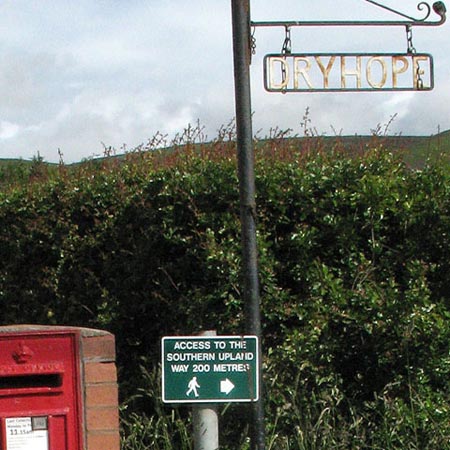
[(39, 392)]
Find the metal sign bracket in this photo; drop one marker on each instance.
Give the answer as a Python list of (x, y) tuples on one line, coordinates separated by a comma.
[(438, 7), (408, 22)]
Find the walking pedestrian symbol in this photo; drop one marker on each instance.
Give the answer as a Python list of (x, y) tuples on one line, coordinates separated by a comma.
[(192, 387)]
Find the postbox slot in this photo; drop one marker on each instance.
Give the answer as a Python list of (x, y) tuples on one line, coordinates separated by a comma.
[(53, 380)]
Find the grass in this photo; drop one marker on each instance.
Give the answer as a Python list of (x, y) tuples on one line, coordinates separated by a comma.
[(326, 422)]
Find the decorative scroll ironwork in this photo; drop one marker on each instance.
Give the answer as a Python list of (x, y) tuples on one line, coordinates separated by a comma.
[(438, 8), (421, 6)]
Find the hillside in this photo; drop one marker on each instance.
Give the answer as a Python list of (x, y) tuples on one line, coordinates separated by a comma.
[(417, 149)]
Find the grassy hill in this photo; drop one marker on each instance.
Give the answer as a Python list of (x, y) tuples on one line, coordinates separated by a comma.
[(416, 151)]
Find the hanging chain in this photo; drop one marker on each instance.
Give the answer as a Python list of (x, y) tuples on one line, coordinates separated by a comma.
[(409, 38), (286, 50), (253, 42), (287, 44), (412, 51)]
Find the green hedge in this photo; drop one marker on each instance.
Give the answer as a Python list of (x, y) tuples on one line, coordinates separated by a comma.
[(354, 276)]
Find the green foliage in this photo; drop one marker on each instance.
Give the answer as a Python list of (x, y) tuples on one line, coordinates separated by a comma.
[(161, 431), (354, 276)]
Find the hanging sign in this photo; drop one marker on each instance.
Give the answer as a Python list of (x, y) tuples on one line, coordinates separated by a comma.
[(348, 72)]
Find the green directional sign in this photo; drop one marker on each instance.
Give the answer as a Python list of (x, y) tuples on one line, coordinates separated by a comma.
[(209, 369)]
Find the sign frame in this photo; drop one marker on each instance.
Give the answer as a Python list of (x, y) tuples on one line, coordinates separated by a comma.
[(220, 384), (376, 56)]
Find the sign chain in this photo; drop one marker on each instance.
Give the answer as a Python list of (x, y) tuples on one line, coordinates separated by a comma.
[(409, 37), (412, 50), (253, 42), (287, 44), (286, 50)]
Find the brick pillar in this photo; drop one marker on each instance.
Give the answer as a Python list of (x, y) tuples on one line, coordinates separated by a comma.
[(100, 391)]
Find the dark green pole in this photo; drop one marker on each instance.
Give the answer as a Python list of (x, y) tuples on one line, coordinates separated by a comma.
[(246, 173)]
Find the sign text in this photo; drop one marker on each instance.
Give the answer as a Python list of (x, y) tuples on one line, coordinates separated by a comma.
[(348, 72)]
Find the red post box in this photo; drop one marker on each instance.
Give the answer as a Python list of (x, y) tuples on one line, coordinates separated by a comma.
[(58, 389)]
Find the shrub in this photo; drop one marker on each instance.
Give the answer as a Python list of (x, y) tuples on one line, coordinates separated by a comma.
[(353, 254)]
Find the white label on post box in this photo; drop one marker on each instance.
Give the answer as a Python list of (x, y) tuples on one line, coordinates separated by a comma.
[(26, 433)]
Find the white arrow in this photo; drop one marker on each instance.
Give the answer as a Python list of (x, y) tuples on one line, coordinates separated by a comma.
[(226, 386)]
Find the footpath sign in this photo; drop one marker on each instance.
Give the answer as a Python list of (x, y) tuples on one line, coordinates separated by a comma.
[(209, 369)]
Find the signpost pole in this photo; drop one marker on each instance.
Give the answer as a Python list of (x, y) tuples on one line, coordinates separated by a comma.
[(242, 57), (206, 427), (205, 420)]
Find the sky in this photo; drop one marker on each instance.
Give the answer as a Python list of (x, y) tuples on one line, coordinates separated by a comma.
[(80, 76)]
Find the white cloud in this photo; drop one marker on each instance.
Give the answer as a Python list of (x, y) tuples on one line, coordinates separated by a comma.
[(76, 74), (8, 130)]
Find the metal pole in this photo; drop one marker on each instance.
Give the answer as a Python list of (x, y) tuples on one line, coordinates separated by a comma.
[(206, 429), (205, 420), (246, 173)]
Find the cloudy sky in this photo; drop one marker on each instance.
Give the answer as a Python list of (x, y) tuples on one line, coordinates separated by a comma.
[(78, 75)]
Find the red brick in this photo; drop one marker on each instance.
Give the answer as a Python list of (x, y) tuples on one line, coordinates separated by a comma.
[(102, 419), (101, 395), (100, 372), (99, 347), (103, 441)]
